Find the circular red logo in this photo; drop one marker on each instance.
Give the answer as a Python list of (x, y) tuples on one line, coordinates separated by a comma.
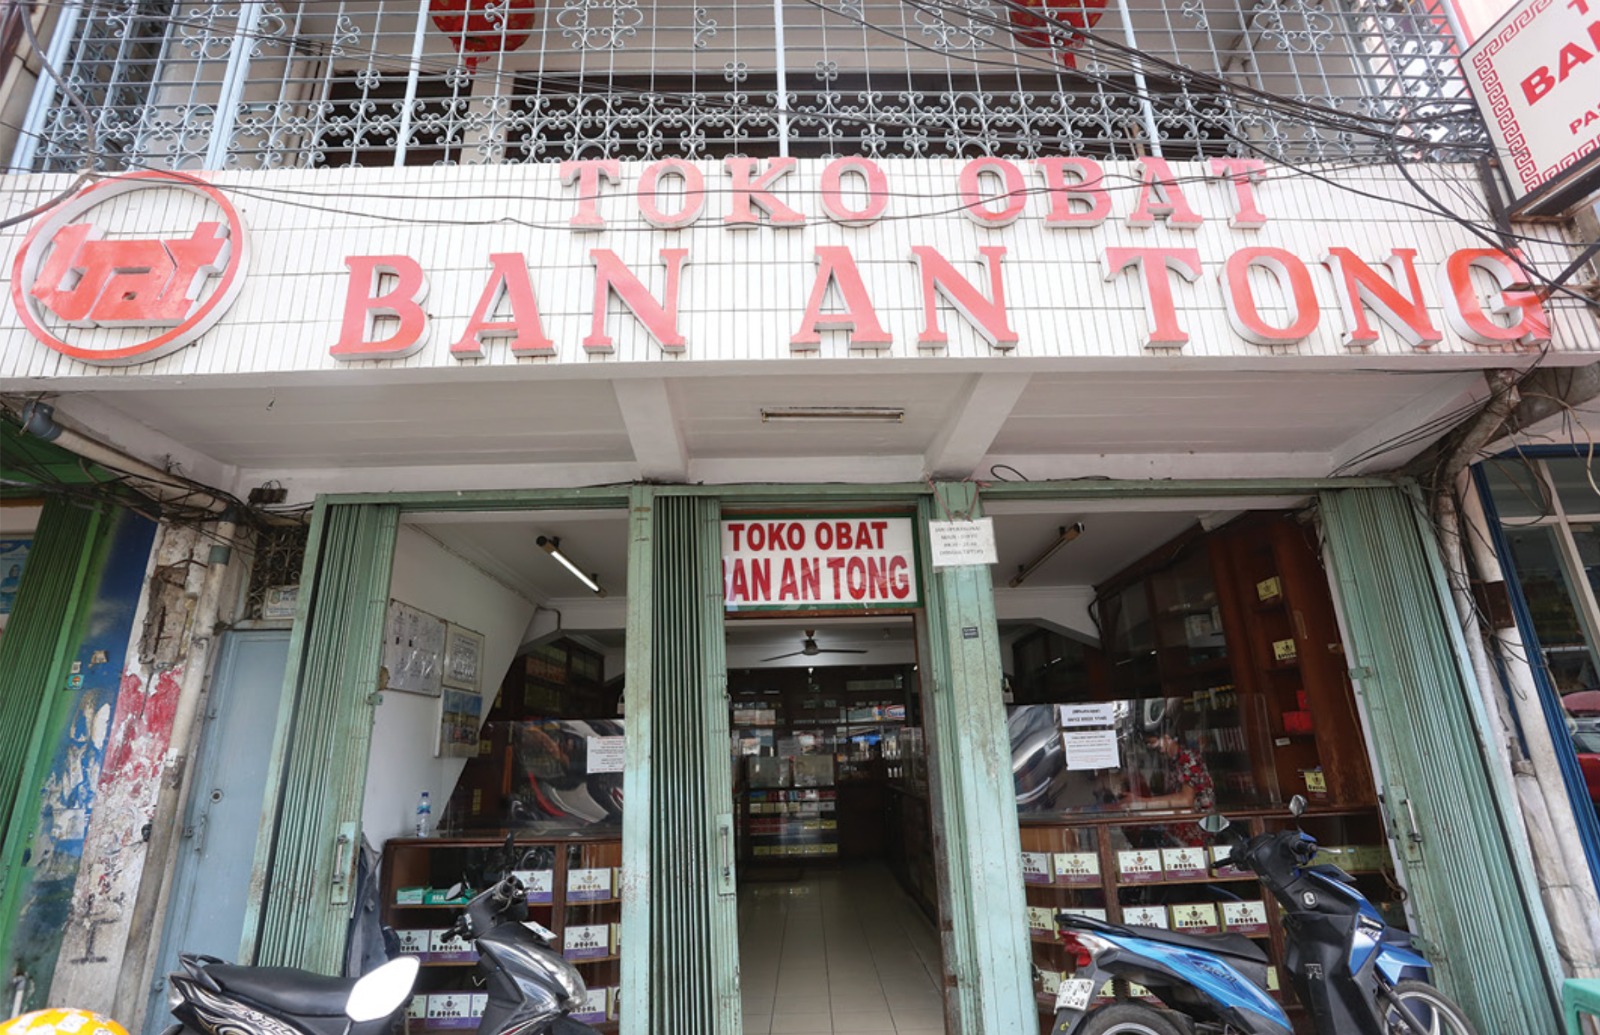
[(161, 274)]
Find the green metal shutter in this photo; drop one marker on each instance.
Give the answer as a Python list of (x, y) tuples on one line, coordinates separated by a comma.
[(1448, 804), (48, 615), (678, 824), (986, 935), (333, 673)]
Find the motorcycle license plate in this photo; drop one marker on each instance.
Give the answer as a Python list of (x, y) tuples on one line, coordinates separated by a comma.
[(1074, 994)]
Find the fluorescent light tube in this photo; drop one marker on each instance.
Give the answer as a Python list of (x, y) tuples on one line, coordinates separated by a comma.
[(552, 546), (1067, 534), (885, 414)]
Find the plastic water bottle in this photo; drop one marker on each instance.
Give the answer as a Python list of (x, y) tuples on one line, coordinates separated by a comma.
[(424, 815)]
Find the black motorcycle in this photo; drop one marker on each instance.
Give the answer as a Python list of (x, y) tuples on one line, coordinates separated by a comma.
[(532, 989)]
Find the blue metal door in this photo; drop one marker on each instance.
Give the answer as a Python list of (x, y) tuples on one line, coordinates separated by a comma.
[(210, 888)]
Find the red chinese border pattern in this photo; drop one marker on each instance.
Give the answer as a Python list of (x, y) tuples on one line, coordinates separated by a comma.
[(1528, 173)]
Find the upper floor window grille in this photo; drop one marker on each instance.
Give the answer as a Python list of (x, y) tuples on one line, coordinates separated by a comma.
[(266, 84)]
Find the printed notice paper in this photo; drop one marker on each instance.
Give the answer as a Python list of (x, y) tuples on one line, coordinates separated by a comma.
[(606, 754), (1091, 749), (956, 543), (1077, 716)]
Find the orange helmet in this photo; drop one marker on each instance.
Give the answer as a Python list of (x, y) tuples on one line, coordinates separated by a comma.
[(61, 1022)]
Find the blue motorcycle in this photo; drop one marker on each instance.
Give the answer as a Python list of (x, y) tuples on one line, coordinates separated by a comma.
[(1354, 973)]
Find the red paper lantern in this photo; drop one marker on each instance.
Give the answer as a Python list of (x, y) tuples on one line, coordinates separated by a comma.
[(480, 27), (1034, 30)]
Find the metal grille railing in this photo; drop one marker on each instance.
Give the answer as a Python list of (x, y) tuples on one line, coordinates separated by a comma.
[(280, 551), (263, 84)]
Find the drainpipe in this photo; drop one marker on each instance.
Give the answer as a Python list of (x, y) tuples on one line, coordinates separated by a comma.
[(160, 860), (1575, 906), (39, 420)]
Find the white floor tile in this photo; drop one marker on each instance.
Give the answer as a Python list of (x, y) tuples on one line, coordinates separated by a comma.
[(842, 952)]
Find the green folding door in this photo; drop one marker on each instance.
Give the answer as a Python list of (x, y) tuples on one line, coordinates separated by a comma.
[(1448, 806)]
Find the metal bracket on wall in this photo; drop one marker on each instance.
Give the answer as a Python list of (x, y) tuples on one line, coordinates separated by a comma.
[(344, 865)]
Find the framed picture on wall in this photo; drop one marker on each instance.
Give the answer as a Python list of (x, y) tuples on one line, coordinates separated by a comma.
[(463, 657), (413, 650), (460, 715)]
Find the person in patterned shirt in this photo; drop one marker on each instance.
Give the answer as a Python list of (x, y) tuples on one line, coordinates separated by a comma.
[(1193, 789)]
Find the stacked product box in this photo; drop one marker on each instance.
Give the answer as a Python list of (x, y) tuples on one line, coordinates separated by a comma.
[(587, 942), (591, 885), (540, 885), (597, 1006)]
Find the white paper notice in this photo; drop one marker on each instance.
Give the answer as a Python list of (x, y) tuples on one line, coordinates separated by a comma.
[(606, 754), (1091, 749), (962, 542), (1077, 716)]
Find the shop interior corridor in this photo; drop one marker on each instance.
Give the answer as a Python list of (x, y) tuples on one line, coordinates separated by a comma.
[(839, 951)]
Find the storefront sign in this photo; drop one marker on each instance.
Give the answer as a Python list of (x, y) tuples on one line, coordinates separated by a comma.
[(957, 543), (809, 564), (1536, 78), (113, 299), (606, 262)]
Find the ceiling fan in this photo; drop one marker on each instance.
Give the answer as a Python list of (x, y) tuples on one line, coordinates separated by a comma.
[(810, 649)]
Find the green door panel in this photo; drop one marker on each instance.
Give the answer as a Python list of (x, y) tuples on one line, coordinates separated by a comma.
[(1446, 798)]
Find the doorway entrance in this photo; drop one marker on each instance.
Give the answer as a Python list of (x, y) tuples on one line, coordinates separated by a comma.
[(838, 897)]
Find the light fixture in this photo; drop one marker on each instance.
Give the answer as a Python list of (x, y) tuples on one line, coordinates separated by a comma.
[(873, 414), (552, 546), (1066, 535)]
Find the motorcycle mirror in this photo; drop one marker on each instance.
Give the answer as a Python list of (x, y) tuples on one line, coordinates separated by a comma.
[(1297, 806), (383, 991), (455, 891), (1215, 823)]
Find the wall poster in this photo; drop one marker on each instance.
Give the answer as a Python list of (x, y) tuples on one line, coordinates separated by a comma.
[(413, 650), (13, 555)]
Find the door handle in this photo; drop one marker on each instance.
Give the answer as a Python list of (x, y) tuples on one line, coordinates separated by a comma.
[(726, 884), (1411, 816), (344, 866)]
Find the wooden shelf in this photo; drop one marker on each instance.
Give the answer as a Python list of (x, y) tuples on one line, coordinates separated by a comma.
[(1179, 881), (435, 862)]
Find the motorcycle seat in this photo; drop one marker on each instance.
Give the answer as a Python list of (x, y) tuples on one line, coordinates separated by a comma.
[(284, 989), (1235, 945)]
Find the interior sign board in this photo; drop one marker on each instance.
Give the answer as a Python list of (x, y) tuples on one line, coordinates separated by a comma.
[(1536, 78), (956, 543), (841, 562)]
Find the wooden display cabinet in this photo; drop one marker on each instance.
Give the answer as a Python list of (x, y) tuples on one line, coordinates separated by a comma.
[(573, 890), (1113, 868), (1240, 623)]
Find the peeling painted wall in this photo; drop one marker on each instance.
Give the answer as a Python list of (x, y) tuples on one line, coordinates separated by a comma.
[(70, 789), (136, 757)]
